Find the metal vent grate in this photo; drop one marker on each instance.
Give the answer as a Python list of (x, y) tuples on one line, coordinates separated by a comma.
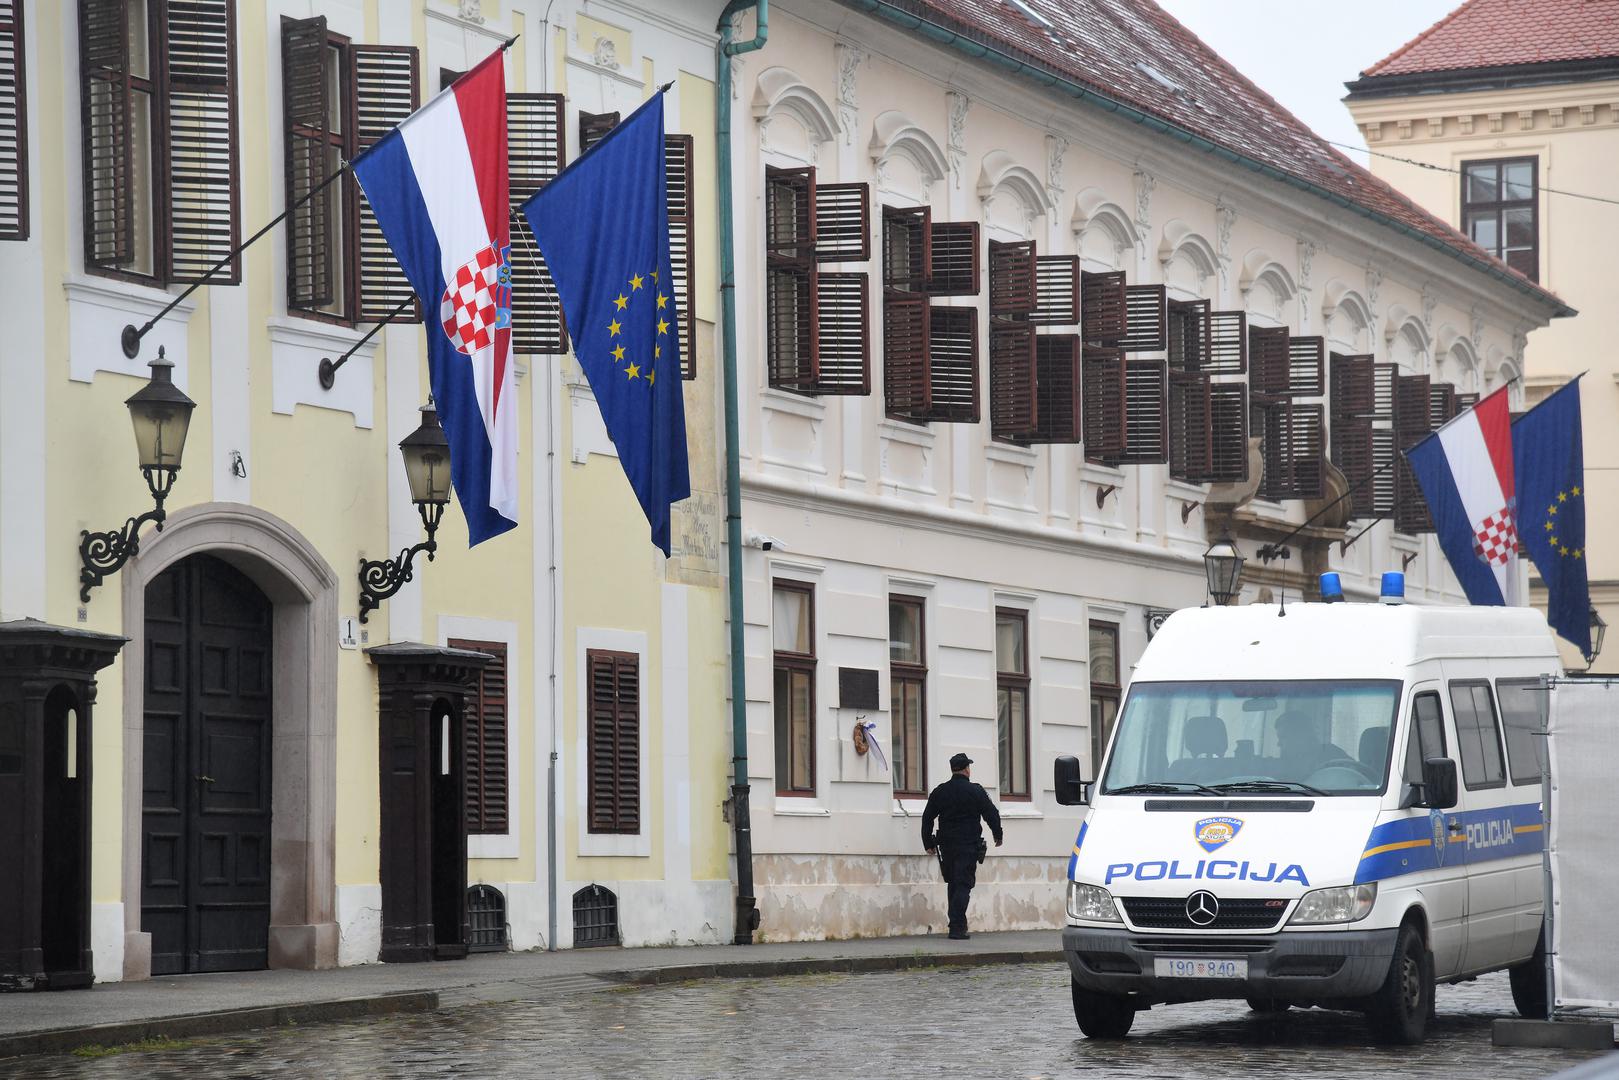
[(486, 917), (1169, 913), (595, 917)]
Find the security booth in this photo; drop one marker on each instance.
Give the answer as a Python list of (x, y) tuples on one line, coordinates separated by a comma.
[(422, 694), (47, 690)]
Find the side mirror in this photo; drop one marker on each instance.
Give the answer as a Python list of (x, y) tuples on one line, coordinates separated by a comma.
[(1066, 779), (1439, 783)]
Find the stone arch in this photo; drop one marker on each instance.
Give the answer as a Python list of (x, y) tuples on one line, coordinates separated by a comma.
[(1180, 240), (780, 92), (1456, 359), (1002, 178), (896, 137), (1094, 215), (303, 589), (1343, 306), (1410, 344), (1267, 287)]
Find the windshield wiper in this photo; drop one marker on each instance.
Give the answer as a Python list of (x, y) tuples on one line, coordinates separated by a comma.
[(1162, 787), (1292, 786)]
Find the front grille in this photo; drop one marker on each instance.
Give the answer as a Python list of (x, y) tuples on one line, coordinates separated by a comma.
[(1169, 913), (1206, 805)]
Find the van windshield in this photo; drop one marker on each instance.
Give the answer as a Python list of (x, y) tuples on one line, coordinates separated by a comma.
[(1315, 737)]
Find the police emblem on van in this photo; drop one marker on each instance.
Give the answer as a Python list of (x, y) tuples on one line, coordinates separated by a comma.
[(1213, 833)]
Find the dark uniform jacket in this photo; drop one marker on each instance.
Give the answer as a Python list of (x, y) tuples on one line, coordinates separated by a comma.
[(956, 805)]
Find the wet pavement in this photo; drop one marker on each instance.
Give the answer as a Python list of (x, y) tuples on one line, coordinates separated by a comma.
[(1004, 1021)]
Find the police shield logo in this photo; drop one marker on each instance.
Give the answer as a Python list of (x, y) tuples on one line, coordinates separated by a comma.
[(1213, 833)]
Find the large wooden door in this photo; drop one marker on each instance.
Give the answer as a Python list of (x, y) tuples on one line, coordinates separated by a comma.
[(205, 830)]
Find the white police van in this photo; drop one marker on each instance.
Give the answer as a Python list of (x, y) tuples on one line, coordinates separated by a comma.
[(1336, 805)]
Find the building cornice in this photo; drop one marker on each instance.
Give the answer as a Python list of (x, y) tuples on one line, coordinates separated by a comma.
[(1507, 77)]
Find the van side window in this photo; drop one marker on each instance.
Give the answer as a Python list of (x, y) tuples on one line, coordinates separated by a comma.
[(1525, 706), (1427, 737), (1478, 734)]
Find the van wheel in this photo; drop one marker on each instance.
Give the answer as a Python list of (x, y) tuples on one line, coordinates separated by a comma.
[(1399, 1009), (1102, 1016), (1529, 985), (1267, 1005)]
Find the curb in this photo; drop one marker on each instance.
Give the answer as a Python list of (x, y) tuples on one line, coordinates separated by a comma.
[(763, 969), (62, 1040)]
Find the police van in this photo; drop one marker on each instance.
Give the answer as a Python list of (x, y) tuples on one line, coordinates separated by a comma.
[(1330, 804)]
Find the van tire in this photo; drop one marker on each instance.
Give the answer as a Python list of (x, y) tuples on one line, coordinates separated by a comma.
[(1102, 1016), (1529, 985), (1268, 1006), (1399, 1009)]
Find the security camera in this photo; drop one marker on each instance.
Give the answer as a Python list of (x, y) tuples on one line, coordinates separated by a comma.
[(764, 542)]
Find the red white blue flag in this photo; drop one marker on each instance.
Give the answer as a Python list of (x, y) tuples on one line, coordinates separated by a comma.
[(438, 186), (1465, 469)]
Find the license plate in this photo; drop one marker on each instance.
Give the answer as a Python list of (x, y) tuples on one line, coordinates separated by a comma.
[(1178, 967)]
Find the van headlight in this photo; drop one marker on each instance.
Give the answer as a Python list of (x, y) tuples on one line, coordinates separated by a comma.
[(1350, 903), (1091, 903)]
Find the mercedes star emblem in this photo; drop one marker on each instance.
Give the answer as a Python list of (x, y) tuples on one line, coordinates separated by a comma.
[(1202, 908)]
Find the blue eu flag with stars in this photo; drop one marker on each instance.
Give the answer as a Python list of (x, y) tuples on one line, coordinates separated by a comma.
[(1548, 463), (603, 227)]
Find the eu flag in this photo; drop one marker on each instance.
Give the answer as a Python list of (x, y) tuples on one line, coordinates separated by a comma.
[(1548, 459), (603, 227)]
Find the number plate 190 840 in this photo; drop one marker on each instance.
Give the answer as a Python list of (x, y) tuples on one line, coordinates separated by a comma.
[(1177, 967)]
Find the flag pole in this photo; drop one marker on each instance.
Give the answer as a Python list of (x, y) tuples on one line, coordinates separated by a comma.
[(329, 367)]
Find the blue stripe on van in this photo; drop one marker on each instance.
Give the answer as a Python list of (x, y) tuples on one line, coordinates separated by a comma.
[(1073, 860), (1413, 844)]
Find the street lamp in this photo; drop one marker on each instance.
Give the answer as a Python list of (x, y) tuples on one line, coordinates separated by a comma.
[(161, 415), (1599, 627), (1223, 565), (427, 467)]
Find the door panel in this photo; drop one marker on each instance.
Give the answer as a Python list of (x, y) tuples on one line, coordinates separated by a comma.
[(1444, 884), (205, 888)]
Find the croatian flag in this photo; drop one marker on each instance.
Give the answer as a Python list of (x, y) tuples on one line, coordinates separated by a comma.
[(437, 184), (1465, 469)]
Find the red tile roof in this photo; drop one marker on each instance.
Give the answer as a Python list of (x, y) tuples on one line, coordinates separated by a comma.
[(1135, 54), (1499, 33)]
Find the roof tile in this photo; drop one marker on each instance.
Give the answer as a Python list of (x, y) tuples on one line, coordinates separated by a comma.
[(1500, 33)]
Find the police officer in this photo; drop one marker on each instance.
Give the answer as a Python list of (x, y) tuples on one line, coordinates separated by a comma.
[(957, 804)]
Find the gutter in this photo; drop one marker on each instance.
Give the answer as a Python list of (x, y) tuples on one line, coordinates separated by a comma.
[(887, 9), (747, 912)]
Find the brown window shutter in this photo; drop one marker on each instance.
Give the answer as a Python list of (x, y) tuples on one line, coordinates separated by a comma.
[(1293, 434), (1056, 365), (1441, 404), (106, 112), (907, 386), (1056, 287), (1352, 385), (842, 222), (592, 126), (1145, 319), (1188, 332), (842, 334), (197, 133), (953, 258), (305, 109), (1412, 423), (790, 323), (1103, 395), (386, 91), (1465, 402), (908, 247), (1146, 412), (1228, 343), (790, 212), (536, 152), (486, 751), (1228, 418), (1191, 422), (677, 162), (1306, 366), (613, 780), (1353, 401), (13, 123), (1011, 278), (1268, 360), (1103, 317), (953, 364), (1014, 411)]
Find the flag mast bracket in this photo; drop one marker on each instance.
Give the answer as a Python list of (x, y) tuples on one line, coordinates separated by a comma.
[(330, 367)]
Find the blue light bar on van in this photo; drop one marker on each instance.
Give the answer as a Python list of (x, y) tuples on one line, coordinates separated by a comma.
[(1332, 589), (1393, 588)]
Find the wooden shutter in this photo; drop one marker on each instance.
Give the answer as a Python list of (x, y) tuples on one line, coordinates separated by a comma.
[(1465, 402), (1191, 422), (1412, 424), (1187, 333), (1056, 288), (13, 123), (1352, 385), (1293, 449), (907, 386), (1306, 365), (385, 83), (1268, 361), (1013, 408), (1011, 278), (1057, 378), (593, 126), (486, 751), (1228, 343), (1145, 319), (953, 364), (107, 118), (1353, 402), (305, 111), (842, 222), (1104, 395), (1146, 412), (953, 258), (790, 323), (196, 130), (842, 334), (677, 166), (908, 247), (1441, 405), (614, 745), (1228, 418), (536, 152), (790, 212), (1103, 316)]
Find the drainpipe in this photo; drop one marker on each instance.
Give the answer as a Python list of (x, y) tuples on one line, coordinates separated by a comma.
[(747, 914)]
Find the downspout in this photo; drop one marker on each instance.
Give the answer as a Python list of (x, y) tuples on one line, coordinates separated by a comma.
[(747, 913)]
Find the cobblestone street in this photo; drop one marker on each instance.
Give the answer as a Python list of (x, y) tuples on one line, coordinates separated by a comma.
[(997, 1021)]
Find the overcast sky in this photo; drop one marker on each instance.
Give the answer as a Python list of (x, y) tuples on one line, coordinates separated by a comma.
[(1301, 52)]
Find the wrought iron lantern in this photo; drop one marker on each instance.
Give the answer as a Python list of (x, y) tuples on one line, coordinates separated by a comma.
[(427, 467), (1599, 627), (1223, 565), (161, 415)]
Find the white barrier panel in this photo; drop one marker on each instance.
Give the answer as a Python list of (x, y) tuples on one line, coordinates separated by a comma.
[(1584, 843)]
